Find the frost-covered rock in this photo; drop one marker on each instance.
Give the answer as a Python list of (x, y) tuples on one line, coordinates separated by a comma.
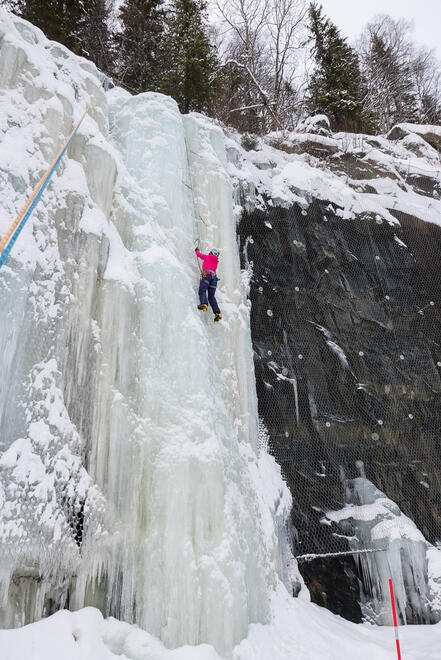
[(356, 174), (431, 134), (312, 136), (316, 124), (303, 143), (419, 146)]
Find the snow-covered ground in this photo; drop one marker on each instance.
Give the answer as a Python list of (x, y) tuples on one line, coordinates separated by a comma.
[(131, 476), (299, 631)]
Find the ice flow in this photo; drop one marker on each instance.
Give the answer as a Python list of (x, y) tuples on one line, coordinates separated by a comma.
[(129, 478), (178, 477)]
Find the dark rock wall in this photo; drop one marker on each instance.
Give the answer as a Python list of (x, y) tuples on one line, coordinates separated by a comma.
[(346, 327)]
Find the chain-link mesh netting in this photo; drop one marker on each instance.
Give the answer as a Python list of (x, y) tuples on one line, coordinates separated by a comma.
[(346, 321)]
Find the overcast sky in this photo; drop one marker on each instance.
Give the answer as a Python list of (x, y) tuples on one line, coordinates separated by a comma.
[(351, 16)]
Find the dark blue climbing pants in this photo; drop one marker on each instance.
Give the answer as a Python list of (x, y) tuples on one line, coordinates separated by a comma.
[(207, 286)]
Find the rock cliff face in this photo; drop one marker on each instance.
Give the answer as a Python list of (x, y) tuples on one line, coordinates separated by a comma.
[(346, 327)]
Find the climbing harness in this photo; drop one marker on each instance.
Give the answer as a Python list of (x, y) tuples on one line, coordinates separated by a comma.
[(214, 278), (8, 240)]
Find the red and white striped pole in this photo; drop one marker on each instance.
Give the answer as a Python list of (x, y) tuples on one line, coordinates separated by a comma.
[(395, 619)]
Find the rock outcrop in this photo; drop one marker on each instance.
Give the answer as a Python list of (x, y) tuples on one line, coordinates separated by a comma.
[(346, 326)]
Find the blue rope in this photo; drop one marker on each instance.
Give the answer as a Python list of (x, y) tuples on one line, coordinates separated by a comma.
[(17, 232)]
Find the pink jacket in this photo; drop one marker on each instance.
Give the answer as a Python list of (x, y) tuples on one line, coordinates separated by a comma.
[(210, 261)]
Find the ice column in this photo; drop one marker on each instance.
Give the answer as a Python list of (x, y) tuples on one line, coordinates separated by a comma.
[(395, 549), (174, 443)]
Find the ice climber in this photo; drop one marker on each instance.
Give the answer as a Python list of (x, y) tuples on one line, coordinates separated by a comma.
[(209, 282)]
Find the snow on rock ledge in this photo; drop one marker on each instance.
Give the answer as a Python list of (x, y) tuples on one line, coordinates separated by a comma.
[(431, 134), (374, 522), (360, 175)]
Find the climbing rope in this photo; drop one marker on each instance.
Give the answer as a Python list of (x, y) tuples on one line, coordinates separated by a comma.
[(196, 211), (20, 221)]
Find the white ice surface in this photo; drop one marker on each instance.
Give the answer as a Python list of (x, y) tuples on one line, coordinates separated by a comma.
[(130, 477)]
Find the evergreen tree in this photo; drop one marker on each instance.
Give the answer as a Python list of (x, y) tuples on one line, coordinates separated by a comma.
[(94, 33), (336, 86), (139, 43), (390, 75), (59, 19), (430, 111), (190, 58)]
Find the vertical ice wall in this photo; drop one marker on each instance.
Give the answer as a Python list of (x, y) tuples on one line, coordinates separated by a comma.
[(172, 450), (128, 418), (48, 503)]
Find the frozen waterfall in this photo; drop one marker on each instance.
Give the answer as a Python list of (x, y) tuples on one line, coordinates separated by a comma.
[(130, 477)]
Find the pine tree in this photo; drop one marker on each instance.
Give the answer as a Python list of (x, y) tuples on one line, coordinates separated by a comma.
[(391, 77), (43, 14), (80, 25), (430, 111), (94, 33), (73, 10), (336, 86), (59, 19), (139, 43), (190, 58)]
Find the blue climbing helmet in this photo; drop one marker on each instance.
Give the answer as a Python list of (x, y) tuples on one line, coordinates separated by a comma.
[(215, 251)]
